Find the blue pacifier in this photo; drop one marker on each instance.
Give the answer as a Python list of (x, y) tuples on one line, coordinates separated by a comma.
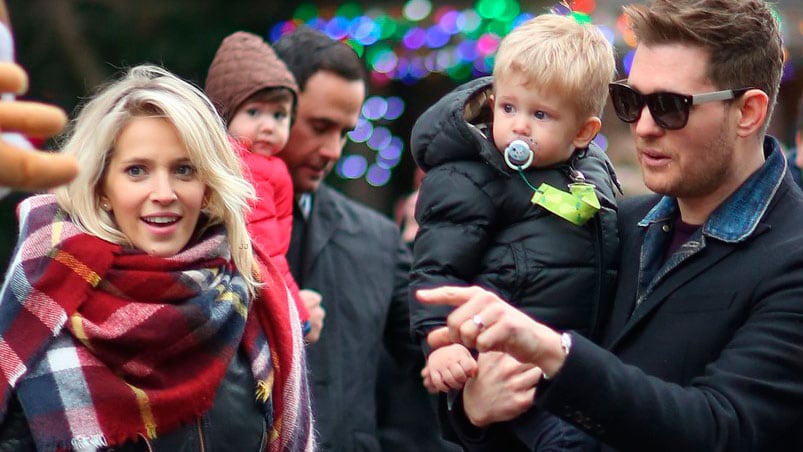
[(518, 155)]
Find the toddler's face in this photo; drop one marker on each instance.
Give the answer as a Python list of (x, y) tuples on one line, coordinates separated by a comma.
[(539, 117), (263, 126)]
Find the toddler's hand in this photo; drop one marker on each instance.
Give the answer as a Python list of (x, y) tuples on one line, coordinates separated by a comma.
[(312, 301), (450, 367)]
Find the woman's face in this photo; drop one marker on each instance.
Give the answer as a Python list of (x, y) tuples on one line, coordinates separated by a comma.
[(151, 188)]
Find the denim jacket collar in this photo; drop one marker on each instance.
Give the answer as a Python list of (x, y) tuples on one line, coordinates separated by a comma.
[(738, 216)]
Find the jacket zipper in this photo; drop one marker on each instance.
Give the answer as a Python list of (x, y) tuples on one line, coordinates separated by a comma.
[(202, 446)]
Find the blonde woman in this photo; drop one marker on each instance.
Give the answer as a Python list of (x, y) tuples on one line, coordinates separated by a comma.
[(132, 315)]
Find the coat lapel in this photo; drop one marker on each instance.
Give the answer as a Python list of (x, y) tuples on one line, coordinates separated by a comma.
[(326, 218), (694, 267)]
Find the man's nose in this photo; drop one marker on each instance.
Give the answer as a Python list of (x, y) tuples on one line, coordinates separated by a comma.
[(332, 149), (645, 125)]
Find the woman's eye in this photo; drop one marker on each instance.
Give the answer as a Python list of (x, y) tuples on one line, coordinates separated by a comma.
[(135, 171), (185, 170)]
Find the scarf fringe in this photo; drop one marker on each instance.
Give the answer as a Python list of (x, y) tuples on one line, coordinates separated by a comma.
[(264, 389), (89, 442)]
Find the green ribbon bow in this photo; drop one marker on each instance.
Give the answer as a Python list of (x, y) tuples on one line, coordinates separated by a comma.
[(577, 206)]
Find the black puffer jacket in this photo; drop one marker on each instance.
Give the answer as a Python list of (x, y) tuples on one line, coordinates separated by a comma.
[(478, 226)]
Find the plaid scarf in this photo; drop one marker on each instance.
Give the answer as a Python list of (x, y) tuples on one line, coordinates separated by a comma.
[(103, 344)]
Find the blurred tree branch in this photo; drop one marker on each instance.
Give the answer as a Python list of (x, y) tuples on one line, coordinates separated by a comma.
[(66, 25)]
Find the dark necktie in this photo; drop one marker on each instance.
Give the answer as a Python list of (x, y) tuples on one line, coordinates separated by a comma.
[(295, 253)]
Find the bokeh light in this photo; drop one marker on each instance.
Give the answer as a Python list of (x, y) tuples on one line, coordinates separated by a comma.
[(417, 10), (374, 107), (362, 132), (601, 141), (410, 43), (377, 176), (351, 166)]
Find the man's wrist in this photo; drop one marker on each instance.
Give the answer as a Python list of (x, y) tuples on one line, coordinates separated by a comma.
[(552, 366)]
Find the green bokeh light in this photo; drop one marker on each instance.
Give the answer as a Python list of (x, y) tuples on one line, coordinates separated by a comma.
[(306, 12), (582, 18), (359, 49), (491, 9), (349, 10), (387, 26)]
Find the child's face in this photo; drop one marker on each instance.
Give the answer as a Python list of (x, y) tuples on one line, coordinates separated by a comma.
[(541, 118), (263, 126)]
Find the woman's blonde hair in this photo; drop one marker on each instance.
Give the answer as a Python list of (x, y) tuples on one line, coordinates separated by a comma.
[(151, 91), (557, 53)]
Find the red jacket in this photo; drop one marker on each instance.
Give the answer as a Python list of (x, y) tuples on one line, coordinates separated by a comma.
[(270, 221)]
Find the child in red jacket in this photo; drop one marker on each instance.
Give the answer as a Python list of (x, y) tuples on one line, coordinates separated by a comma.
[(256, 96)]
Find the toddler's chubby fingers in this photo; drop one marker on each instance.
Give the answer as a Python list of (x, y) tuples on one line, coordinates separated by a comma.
[(469, 367), (455, 378), (438, 382)]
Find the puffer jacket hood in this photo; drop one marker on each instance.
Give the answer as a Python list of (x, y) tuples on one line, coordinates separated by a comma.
[(446, 131), (455, 129)]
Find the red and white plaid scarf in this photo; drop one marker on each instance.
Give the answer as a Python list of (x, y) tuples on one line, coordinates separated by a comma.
[(103, 344)]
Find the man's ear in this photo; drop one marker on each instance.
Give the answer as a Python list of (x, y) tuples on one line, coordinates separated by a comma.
[(588, 130), (752, 112)]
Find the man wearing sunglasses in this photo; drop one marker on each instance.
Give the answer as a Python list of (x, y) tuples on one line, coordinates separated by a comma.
[(703, 350)]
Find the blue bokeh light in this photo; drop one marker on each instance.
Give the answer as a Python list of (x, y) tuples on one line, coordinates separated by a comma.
[(395, 108), (374, 107), (380, 138), (362, 131), (414, 38), (352, 166), (601, 141), (436, 37), (377, 176)]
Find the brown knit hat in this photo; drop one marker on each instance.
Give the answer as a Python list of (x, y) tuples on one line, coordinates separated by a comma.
[(243, 65)]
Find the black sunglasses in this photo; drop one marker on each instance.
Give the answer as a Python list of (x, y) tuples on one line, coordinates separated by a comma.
[(669, 110)]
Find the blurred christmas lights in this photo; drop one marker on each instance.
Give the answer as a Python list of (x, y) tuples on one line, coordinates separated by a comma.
[(419, 39)]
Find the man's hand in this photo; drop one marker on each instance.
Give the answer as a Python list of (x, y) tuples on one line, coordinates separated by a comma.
[(485, 322), (502, 390)]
